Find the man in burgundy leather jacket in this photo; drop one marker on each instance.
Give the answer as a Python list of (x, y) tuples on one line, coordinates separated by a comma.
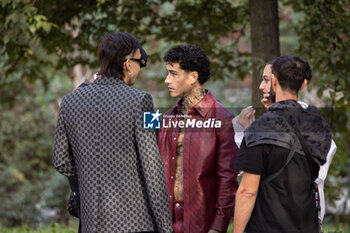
[(197, 146)]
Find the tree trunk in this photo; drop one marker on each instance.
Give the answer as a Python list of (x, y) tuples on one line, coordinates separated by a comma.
[(265, 42)]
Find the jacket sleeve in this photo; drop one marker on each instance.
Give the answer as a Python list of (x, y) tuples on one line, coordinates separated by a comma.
[(152, 168), (239, 131), (226, 175), (62, 156)]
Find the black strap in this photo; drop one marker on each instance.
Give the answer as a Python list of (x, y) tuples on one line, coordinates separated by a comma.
[(310, 163), (289, 158), (292, 152), (303, 145)]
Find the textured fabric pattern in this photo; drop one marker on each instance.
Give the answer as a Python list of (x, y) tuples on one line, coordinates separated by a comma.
[(272, 128), (101, 140), (209, 179)]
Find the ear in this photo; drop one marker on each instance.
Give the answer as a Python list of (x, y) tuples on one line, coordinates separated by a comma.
[(127, 66), (303, 85), (274, 80), (194, 77)]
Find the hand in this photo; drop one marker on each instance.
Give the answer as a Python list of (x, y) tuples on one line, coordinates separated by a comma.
[(245, 118), (213, 231), (94, 77), (266, 100), (91, 80)]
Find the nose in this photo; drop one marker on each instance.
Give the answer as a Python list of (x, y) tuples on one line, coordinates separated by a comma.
[(262, 86), (167, 79)]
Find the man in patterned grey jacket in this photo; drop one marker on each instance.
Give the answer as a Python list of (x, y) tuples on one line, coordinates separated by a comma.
[(100, 140)]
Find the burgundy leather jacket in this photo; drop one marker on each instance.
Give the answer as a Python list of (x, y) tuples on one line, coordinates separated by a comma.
[(210, 181)]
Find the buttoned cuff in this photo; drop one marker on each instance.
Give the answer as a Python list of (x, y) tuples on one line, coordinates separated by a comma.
[(221, 222)]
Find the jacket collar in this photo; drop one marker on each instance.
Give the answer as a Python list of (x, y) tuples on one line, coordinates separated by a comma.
[(202, 107), (108, 81)]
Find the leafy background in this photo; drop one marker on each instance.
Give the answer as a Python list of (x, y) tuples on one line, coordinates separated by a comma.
[(49, 47)]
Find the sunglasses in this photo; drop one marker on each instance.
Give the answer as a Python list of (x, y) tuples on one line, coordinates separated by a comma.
[(141, 61)]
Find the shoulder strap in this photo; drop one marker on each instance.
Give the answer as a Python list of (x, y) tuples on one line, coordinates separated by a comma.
[(289, 158), (292, 152), (303, 145)]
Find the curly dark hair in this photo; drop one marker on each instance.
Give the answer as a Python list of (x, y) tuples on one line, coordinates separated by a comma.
[(112, 50), (291, 72), (190, 58)]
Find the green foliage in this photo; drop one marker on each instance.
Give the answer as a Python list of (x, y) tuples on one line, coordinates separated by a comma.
[(40, 35), (42, 41), (26, 141), (22, 28), (323, 31)]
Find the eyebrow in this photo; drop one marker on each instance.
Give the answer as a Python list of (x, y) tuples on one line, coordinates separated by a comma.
[(172, 71)]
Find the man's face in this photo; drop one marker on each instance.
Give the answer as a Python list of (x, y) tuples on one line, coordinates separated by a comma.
[(178, 81), (266, 83), (134, 68)]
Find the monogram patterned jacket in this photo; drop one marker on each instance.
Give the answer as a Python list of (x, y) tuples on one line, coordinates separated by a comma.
[(100, 140)]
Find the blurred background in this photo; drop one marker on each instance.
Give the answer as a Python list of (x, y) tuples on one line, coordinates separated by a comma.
[(49, 47)]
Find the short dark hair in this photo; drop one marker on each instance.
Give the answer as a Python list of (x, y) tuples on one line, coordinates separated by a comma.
[(271, 61), (112, 50), (190, 58), (291, 72)]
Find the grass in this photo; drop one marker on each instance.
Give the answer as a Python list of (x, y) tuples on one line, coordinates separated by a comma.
[(327, 228), (54, 228), (57, 228), (336, 229)]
